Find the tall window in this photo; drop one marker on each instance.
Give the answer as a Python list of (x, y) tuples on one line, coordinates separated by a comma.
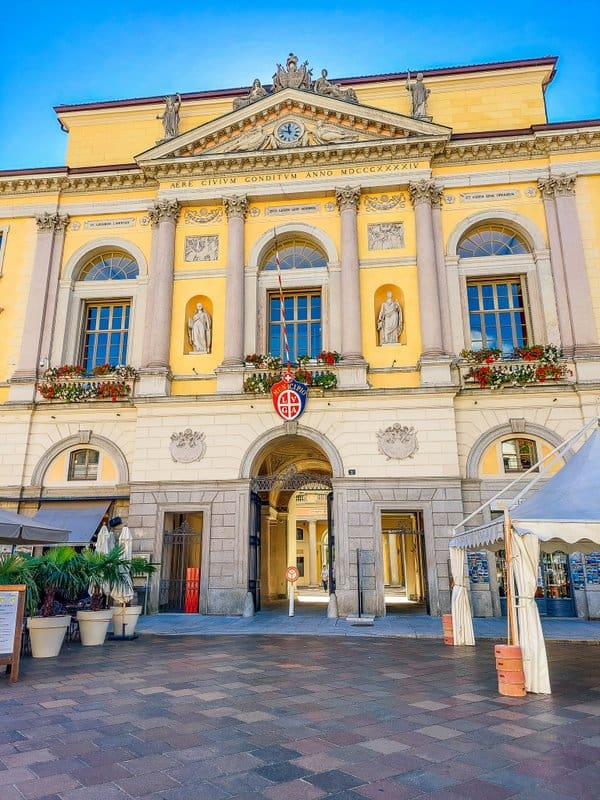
[(518, 455), (303, 324), (106, 334), (83, 465), (111, 266), (497, 314)]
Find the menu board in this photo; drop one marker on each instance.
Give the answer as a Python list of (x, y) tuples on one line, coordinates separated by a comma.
[(9, 605)]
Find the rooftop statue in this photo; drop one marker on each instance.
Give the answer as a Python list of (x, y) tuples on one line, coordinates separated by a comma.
[(170, 116), (256, 92), (292, 76), (325, 87), (419, 95)]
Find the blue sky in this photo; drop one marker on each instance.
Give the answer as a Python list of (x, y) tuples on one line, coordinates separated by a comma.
[(54, 53)]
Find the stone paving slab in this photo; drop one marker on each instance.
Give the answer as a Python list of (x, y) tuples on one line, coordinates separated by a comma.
[(312, 621), (343, 718)]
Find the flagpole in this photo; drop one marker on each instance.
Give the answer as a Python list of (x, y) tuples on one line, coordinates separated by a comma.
[(281, 303)]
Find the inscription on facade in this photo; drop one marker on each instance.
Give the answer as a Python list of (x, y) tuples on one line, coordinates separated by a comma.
[(125, 222), (201, 248), (282, 211), (385, 236), (477, 197)]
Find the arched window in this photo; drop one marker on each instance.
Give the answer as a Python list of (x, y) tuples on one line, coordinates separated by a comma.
[(295, 254), (491, 240), (518, 455), (83, 465), (115, 265), (302, 309), (106, 323)]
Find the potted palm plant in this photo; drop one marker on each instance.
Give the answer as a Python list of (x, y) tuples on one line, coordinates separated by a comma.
[(104, 572), (15, 568), (57, 572), (125, 615)]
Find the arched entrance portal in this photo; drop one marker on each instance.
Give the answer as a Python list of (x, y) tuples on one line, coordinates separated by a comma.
[(290, 514)]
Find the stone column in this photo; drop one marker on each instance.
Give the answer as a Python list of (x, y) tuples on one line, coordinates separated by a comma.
[(440, 264), (434, 363), (546, 186), (312, 545), (48, 253), (347, 201), (230, 377), (236, 208), (53, 281), (393, 551), (583, 324), (155, 373)]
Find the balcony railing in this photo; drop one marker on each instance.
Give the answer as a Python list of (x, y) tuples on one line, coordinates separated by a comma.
[(258, 380), (70, 384), (510, 372)]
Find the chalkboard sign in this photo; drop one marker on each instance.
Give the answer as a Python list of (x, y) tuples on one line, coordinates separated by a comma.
[(12, 604)]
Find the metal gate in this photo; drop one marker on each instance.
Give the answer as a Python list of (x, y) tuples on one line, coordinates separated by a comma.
[(180, 570), (254, 550)]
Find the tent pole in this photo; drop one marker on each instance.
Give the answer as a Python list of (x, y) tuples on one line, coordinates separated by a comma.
[(513, 637)]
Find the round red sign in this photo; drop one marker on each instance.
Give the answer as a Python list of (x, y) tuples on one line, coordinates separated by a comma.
[(292, 574)]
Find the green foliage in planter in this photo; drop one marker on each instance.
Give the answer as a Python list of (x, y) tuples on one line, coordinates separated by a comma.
[(140, 567), (103, 572), (15, 568), (58, 571)]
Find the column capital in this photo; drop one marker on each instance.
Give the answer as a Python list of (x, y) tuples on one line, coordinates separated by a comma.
[(236, 206), (557, 185), (51, 222), (425, 191), (347, 197), (164, 210)]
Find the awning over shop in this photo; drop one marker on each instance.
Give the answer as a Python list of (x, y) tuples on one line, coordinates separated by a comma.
[(81, 518), (20, 529)]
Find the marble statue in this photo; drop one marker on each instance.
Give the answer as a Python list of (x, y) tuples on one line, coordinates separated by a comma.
[(170, 116), (199, 330), (292, 76), (255, 139), (419, 95), (389, 321), (256, 92), (325, 87)]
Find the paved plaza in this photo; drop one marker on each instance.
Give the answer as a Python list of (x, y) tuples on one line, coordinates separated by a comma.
[(296, 718)]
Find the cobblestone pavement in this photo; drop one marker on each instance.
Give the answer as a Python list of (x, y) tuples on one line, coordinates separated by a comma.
[(296, 718)]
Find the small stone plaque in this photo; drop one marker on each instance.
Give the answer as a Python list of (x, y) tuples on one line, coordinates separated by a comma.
[(386, 236)]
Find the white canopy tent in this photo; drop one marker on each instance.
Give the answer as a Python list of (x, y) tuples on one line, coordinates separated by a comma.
[(564, 514)]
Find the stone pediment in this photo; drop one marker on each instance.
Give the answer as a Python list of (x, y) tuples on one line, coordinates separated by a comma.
[(290, 120)]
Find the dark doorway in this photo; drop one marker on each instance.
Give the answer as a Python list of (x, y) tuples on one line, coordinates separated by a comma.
[(180, 563)]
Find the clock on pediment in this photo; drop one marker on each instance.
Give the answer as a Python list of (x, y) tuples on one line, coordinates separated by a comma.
[(290, 132)]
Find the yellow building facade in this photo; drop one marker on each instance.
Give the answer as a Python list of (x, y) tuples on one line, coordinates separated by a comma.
[(438, 244)]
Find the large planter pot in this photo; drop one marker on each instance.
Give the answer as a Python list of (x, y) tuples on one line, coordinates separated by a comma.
[(93, 626), (128, 615), (47, 634)]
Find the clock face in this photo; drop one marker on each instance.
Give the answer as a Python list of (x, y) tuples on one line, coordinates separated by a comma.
[(289, 131)]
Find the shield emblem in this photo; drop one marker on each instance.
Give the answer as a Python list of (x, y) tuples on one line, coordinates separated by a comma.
[(289, 397)]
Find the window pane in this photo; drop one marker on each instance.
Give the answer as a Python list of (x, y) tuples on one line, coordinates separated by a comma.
[(106, 335), (503, 324)]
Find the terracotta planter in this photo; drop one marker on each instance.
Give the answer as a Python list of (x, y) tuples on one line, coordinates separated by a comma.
[(93, 626), (128, 615), (509, 665), (47, 635), (448, 629)]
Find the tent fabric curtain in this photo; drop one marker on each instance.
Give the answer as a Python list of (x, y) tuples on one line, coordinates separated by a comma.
[(462, 618), (526, 554)]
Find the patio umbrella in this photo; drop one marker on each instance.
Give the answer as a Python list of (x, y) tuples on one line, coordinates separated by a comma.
[(124, 593), (19, 529), (104, 544)]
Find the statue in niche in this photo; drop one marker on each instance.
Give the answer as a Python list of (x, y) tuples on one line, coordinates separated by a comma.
[(199, 330), (327, 89), (389, 321), (170, 116), (292, 76), (419, 95), (256, 92)]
